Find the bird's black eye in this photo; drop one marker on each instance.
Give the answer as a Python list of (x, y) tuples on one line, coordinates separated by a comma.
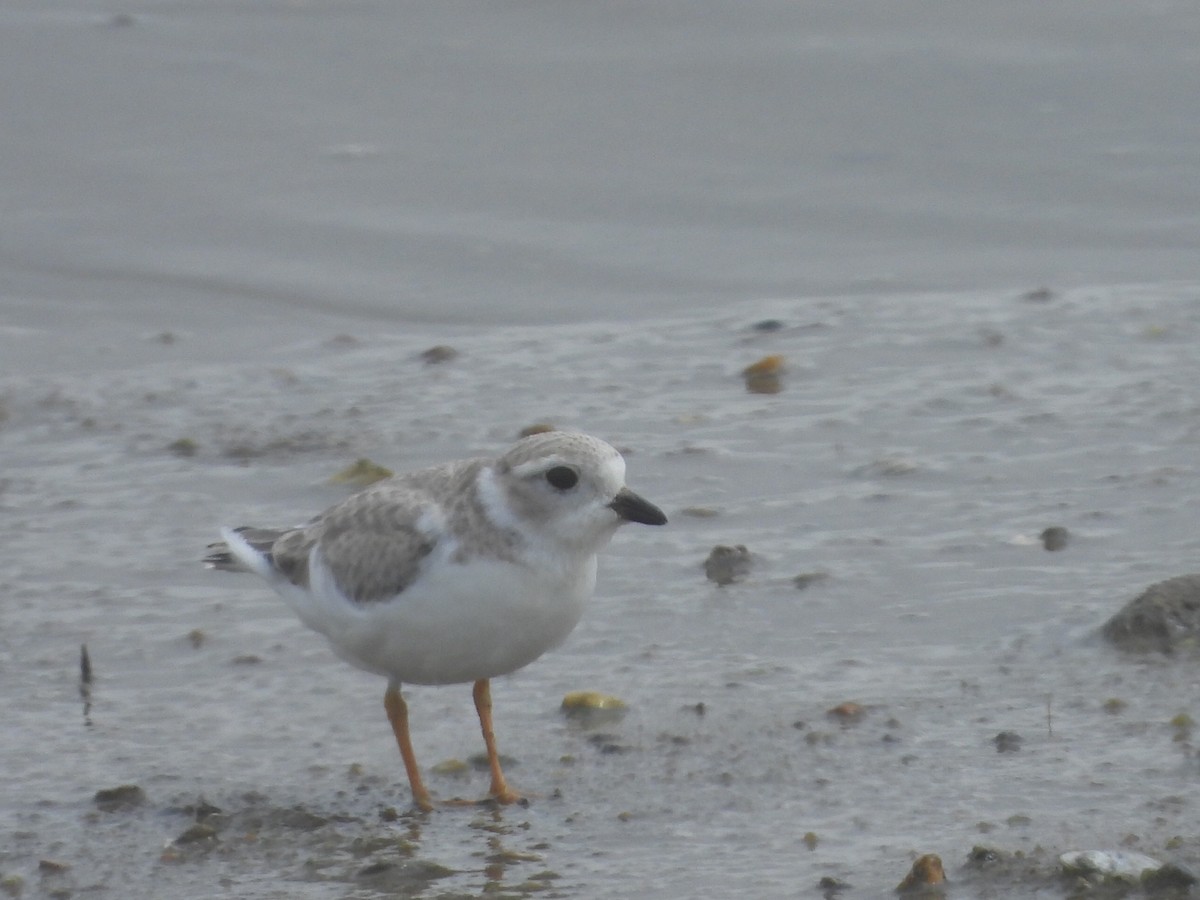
[(562, 477)]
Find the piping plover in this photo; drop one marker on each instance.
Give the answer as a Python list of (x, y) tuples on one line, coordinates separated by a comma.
[(457, 573)]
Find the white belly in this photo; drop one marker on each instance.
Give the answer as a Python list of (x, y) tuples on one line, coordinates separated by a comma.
[(456, 623)]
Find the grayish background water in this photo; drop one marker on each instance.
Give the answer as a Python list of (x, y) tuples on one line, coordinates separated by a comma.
[(241, 223)]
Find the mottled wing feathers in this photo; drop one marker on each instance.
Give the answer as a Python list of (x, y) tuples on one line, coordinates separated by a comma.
[(372, 543), (370, 563)]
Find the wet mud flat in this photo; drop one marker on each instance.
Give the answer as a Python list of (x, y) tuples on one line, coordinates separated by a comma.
[(905, 661)]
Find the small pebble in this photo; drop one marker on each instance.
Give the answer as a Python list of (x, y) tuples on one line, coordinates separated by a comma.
[(451, 767), (725, 564), (763, 377), (1007, 742), (1055, 537), (768, 325), (807, 579), (925, 872), (592, 707), (439, 354), (123, 797), (1038, 295), (847, 712)]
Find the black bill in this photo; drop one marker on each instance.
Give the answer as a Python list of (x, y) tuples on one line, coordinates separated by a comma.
[(632, 508)]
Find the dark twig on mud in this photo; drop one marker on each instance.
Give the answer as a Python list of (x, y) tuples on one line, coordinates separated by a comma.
[(85, 683)]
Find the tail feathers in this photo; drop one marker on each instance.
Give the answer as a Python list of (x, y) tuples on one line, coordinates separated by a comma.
[(245, 549)]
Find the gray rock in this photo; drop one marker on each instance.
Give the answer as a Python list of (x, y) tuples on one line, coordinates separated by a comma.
[(1164, 618)]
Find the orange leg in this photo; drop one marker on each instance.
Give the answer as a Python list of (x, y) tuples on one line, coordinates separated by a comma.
[(500, 791), (397, 712)]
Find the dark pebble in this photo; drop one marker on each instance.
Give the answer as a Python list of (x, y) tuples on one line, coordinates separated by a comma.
[(1038, 295), (1055, 537), (725, 565), (768, 325), (807, 579), (1007, 742), (439, 354), (126, 796)]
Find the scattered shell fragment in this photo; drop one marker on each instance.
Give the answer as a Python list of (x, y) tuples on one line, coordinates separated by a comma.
[(925, 872), (810, 840), (725, 564), (1055, 537), (438, 354), (763, 377), (52, 866), (360, 473)]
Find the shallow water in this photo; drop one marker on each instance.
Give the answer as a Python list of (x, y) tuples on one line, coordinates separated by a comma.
[(915, 453)]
